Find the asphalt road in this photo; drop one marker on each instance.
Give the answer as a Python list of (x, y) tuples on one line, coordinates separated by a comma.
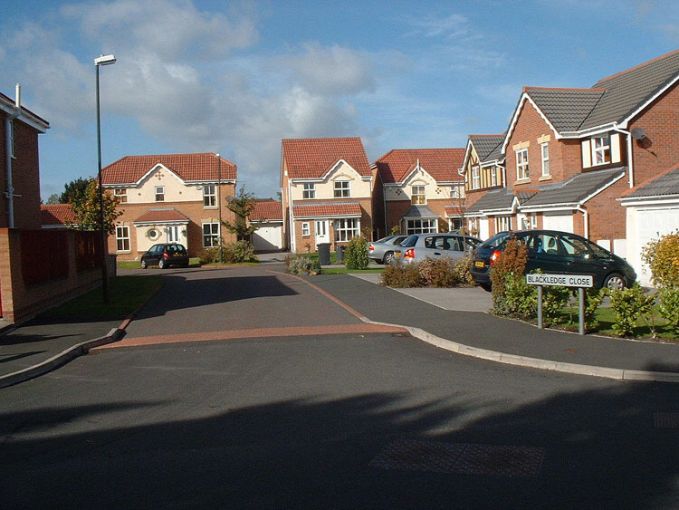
[(334, 421)]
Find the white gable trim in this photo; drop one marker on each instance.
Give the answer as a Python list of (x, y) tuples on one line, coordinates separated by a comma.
[(24, 117), (655, 96), (525, 97), (607, 185), (337, 165), (414, 171), (467, 155), (158, 166)]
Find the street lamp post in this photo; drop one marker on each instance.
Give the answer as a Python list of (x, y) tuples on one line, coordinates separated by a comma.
[(219, 200), (102, 60)]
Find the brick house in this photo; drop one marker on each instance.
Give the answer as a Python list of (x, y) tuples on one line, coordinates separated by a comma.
[(268, 216), (326, 189), (170, 198), (483, 171), (421, 190), (571, 154)]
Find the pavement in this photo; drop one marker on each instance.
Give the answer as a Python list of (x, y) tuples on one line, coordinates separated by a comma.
[(195, 306)]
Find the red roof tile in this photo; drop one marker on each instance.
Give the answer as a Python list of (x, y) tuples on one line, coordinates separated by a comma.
[(56, 214), (312, 158), (267, 210), (326, 210), (160, 215), (189, 167), (441, 164), (454, 210)]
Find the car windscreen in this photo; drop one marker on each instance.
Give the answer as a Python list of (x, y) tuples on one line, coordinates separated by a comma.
[(384, 239), (409, 241), (495, 241)]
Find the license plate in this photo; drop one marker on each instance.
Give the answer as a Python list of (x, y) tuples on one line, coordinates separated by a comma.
[(479, 263)]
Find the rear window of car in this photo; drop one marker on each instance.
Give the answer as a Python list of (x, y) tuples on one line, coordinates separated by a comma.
[(495, 241), (384, 239), (409, 241), (175, 248)]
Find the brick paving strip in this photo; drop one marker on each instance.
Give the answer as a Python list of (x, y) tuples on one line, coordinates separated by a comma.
[(237, 334)]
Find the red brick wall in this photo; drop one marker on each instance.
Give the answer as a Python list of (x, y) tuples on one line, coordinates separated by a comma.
[(26, 176), (661, 149), (193, 210), (606, 215)]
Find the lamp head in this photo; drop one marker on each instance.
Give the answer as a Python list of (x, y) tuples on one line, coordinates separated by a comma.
[(105, 60)]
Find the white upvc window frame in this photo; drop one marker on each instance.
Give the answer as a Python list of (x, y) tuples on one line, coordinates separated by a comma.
[(418, 194), (209, 195), (522, 168), (211, 237), (122, 236), (306, 229), (602, 150), (544, 156), (493, 177), (346, 229), (308, 190), (172, 233), (421, 226), (476, 177), (159, 193), (503, 223), (341, 189), (120, 194)]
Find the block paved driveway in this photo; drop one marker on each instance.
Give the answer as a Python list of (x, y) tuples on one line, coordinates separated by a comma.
[(241, 302)]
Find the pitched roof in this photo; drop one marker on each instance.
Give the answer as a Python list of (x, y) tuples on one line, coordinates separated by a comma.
[(611, 99), (161, 216), (312, 158), (488, 147), (420, 211), (575, 189), (454, 210), (500, 199), (267, 210), (326, 210), (189, 167), (56, 214), (663, 185), (441, 164), (26, 114)]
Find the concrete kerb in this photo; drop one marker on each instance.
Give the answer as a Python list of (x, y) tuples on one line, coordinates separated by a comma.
[(60, 359)]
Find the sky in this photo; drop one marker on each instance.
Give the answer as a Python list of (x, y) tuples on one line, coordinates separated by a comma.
[(235, 77)]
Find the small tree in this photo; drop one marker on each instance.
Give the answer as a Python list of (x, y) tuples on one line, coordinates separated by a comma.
[(242, 206), (86, 209), (53, 199), (74, 191)]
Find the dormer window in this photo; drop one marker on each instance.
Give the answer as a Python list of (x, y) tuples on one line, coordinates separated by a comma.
[(476, 177), (418, 196), (160, 193), (522, 170), (601, 150), (342, 189), (309, 190), (493, 177)]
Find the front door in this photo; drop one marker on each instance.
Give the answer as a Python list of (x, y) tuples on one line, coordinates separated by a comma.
[(322, 236)]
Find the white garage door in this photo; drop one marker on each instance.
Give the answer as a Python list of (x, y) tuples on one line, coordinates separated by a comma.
[(654, 223), (268, 237), (484, 229), (558, 221)]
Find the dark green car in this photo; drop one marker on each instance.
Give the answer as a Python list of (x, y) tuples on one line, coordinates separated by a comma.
[(556, 252)]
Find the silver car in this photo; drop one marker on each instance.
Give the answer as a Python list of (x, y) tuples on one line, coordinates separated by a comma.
[(418, 247), (382, 251)]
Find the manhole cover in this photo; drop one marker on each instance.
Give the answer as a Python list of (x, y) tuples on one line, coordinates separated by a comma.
[(461, 458)]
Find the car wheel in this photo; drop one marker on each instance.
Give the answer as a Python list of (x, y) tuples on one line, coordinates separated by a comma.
[(388, 257), (161, 264), (143, 264), (486, 286), (615, 281)]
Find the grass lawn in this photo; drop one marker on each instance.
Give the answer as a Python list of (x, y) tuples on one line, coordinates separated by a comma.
[(126, 294), (134, 264)]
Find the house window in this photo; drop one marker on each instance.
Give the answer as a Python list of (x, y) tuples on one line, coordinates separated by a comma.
[(309, 190), (346, 229), (522, 171), (493, 177), (529, 221), (122, 238), (120, 194), (210, 234), (160, 193), (209, 195), (172, 233), (342, 189), (544, 151), (476, 177), (456, 191), (418, 197), (427, 226), (305, 229), (503, 223), (601, 150)]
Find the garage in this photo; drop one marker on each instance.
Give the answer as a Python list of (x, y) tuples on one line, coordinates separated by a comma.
[(558, 221), (268, 237)]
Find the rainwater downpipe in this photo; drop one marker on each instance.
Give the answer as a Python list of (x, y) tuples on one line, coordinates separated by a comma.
[(630, 160), (9, 152), (585, 219), (293, 241)]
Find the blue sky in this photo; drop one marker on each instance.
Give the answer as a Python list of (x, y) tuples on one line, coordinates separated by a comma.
[(236, 77)]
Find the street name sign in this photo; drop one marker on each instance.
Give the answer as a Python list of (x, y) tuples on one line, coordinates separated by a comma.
[(563, 280)]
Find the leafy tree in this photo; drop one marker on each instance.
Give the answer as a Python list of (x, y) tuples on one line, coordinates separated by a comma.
[(74, 191), (54, 198), (242, 206), (86, 209)]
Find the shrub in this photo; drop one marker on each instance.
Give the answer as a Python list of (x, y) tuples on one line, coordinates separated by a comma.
[(239, 251), (209, 255), (463, 273), (512, 261), (437, 272), (356, 254), (402, 276), (303, 264), (519, 300), (662, 257), (554, 299), (593, 298), (629, 306), (668, 306)]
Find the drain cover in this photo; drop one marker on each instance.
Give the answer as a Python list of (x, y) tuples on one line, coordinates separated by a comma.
[(461, 458)]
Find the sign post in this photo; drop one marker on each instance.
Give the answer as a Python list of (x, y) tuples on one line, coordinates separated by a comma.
[(579, 281)]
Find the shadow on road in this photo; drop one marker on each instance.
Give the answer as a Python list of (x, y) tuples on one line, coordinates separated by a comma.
[(603, 448)]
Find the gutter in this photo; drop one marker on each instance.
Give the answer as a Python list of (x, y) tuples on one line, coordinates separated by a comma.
[(585, 219), (293, 244), (9, 156), (630, 160)]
